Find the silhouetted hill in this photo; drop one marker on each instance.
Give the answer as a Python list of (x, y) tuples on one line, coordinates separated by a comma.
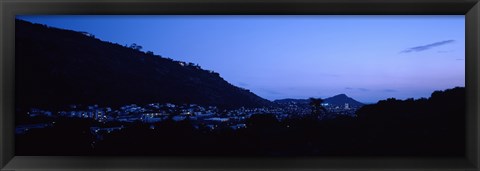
[(429, 126), (340, 99), (446, 105), (56, 67)]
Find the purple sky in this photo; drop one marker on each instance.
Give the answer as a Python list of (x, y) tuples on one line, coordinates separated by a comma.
[(368, 58)]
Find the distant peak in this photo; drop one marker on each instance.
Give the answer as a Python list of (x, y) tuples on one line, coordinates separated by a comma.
[(341, 99)]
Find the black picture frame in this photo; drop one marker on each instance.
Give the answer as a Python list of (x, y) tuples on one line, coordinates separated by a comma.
[(10, 8)]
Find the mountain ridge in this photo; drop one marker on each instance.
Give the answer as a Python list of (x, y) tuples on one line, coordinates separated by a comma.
[(57, 67)]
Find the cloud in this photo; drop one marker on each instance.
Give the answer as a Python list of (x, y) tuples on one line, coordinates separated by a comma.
[(426, 47), (459, 59), (389, 90), (348, 88)]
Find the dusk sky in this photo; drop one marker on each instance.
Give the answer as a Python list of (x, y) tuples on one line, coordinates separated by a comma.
[(369, 58)]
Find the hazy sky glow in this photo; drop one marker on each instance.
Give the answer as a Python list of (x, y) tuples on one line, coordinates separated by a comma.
[(368, 58)]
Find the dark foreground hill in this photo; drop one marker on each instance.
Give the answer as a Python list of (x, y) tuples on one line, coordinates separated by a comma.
[(56, 67), (433, 127)]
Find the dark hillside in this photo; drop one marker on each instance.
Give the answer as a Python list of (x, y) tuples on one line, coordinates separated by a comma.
[(56, 67), (432, 126)]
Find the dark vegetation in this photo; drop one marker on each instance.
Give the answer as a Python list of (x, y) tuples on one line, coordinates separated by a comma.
[(56, 68), (422, 127)]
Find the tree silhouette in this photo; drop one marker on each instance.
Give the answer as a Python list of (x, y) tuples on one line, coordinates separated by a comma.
[(318, 111), (136, 47)]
